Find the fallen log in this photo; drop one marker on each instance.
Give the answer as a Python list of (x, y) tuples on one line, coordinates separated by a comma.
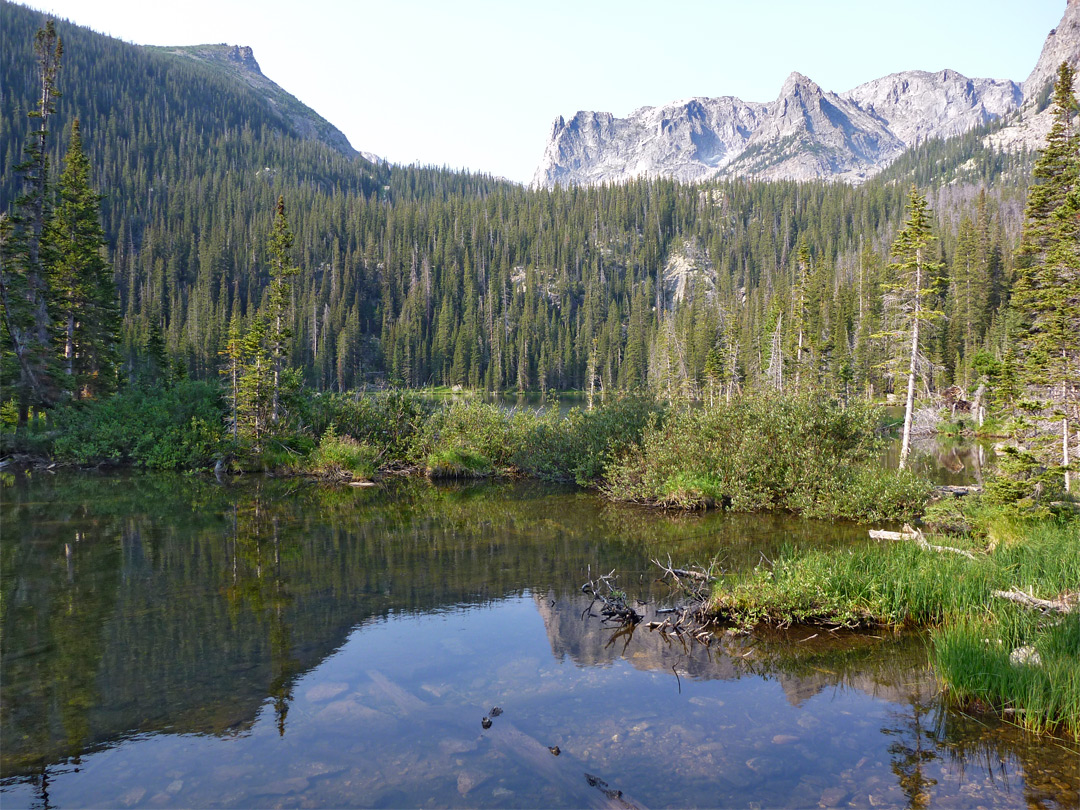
[(909, 533), (679, 573), (1066, 603)]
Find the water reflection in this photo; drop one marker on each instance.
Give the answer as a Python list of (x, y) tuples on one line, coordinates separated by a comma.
[(172, 642)]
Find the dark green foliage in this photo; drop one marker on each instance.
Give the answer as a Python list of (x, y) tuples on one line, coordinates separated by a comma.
[(1024, 482), (178, 427), (580, 446), (390, 421), (421, 276), (1047, 294), (82, 292), (24, 249), (806, 454)]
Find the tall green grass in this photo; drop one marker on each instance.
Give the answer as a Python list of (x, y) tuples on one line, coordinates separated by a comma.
[(972, 656), (973, 632)]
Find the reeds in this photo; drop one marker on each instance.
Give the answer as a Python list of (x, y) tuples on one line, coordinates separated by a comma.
[(987, 650)]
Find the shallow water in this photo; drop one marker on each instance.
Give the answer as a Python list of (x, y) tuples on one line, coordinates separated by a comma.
[(172, 642)]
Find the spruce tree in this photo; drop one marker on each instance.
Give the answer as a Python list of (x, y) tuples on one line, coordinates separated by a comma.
[(23, 252), (910, 296), (282, 272), (81, 287), (1047, 292)]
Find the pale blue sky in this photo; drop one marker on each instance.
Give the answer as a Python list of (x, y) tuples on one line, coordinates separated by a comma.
[(476, 84)]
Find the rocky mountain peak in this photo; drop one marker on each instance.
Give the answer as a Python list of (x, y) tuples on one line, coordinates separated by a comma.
[(807, 132), (1062, 45), (796, 82), (244, 56)]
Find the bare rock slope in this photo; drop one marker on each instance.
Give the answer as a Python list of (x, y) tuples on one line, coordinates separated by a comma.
[(807, 132)]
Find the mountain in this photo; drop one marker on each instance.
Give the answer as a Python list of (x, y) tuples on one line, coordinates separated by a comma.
[(1028, 128), (238, 62), (687, 140), (807, 132), (418, 276)]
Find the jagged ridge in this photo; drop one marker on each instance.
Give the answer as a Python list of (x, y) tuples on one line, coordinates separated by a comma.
[(807, 132)]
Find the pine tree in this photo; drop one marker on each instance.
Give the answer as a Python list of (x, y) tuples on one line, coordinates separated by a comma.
[(910, 294), (1047, 294), (23, 254), (81, 287), (282, 272)]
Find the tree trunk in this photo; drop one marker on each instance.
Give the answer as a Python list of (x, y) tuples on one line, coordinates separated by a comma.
[(1065, 450), (909, 405)]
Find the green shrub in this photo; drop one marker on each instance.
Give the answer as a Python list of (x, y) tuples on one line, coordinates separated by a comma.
[(474, 429), (176, 427), (806, 454), (581, 445), (389, 422)]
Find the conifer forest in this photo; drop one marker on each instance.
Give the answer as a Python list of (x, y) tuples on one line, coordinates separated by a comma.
[(297, 373)]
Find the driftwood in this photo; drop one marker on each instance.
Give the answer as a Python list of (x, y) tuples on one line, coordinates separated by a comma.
[(1066, 603), (613, 604), (909, 533)]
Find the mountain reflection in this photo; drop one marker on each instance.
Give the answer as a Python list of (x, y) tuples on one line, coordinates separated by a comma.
[(141, 604)]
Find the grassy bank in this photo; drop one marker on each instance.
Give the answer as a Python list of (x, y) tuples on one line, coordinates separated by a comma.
[(975, 635), (809, 455)]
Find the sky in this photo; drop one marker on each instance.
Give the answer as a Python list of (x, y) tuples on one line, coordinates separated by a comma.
[(476, 84)]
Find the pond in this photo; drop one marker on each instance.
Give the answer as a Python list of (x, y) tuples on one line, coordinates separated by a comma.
[(170, 641)]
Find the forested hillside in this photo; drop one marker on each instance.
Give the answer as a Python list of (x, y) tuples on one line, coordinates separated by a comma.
[(421, 276)]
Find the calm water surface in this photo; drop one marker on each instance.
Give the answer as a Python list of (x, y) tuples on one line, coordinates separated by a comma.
[(173, 642)]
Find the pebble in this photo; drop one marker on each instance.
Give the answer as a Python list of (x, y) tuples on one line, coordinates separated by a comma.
[(1025, 656), (767, 766), (175, 786), (467, 780)]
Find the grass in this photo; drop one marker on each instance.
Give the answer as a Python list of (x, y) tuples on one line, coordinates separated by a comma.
[(972, 656), (343, 457), (458, 462), (974, 633)]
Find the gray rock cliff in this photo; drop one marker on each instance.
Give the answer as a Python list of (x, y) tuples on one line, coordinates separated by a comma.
[(807, 132)]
